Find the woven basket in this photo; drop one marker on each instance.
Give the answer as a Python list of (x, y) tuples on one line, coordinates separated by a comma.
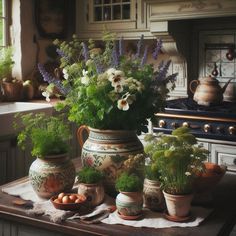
[(12, 91)]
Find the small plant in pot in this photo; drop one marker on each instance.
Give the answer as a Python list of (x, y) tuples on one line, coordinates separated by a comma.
[(152, 193), (129, 201), (178, 159), (52, 172), (90, 185)]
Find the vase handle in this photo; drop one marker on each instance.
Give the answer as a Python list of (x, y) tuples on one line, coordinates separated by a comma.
[(80, 134)]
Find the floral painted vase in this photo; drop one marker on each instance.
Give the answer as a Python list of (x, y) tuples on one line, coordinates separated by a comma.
[(129, 205), (106, 150), (94, 193), (51, 175), (153, 198)]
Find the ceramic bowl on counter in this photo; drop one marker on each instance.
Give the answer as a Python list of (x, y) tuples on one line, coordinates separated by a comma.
[(68, 201)]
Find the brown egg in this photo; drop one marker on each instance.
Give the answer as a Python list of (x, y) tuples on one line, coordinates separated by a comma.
[(66, 199), (78, 200), (61, 195), (57, 200), (72, 197)]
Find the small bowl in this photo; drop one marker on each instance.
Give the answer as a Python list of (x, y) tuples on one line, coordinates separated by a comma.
[(68, 206), (208, 180)]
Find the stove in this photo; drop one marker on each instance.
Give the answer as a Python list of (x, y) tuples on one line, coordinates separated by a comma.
[(213, 122)]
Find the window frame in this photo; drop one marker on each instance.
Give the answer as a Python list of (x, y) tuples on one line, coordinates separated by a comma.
[(6, 22)]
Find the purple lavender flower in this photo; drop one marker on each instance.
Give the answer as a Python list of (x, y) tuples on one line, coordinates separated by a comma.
[(99, 67), (157, 49), (139, 45), (121, 46), (163, 69), (62, 54), (85, 51), (144, 59), (51, 80), (172, 78)]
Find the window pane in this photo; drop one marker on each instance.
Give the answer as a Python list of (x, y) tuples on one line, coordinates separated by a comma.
[(107, 13), (126, 11), (116, 12), (98, 14)]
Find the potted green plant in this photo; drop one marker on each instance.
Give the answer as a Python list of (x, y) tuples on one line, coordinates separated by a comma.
[(153, 198), (129, 201), (48, 138), (90, 184), (113, 93), (11, 87), (178, 159)]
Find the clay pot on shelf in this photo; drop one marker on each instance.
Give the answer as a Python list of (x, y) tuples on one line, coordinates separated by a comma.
[(178, 206)]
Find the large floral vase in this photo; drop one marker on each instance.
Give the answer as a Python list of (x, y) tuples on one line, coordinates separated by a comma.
[(51, 175), (106, 150)]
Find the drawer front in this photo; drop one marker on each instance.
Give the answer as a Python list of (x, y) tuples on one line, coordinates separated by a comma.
[(228, 160)]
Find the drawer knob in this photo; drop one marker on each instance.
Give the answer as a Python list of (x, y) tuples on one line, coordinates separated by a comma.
[(174, 125), (232, 130), (207, 128), (162, 123), (186, 124)]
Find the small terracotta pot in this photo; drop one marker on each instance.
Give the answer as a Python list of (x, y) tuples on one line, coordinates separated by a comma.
[(93, 192), (129, 203), (178, 205), (152, 195)]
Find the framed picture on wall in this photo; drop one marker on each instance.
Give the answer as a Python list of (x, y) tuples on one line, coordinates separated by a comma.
[(51, 18)]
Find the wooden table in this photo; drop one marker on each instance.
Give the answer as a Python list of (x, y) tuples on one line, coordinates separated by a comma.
[(14, 220)]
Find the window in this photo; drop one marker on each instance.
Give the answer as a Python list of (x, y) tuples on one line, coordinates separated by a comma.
[(4, 24)]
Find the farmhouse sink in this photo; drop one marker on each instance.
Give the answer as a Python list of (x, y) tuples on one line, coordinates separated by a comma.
[(8, 110)]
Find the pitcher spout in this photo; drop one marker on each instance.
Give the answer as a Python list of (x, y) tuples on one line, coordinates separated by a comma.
[(225, 86)]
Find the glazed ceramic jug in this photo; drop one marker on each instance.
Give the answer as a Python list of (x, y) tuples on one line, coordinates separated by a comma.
[(106, 150), (208, 91)]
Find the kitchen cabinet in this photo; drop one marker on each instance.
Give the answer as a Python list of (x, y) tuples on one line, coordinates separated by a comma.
[(127, 18)]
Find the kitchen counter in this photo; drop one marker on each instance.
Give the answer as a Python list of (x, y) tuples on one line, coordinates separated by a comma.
[(15, 221)]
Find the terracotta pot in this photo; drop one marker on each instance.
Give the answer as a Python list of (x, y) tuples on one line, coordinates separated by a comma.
[(106, 150), (129, 204), (12, 91), (152, 195), (178, 205), (51, 175), (93, 192)]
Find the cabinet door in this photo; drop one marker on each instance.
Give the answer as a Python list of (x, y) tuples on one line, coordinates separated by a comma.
[(224, 155), (97, 16)]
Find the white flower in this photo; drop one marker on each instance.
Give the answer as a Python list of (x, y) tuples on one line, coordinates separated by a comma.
[(187, 173), (118, 88), (46, 95), (116, 77), (65, 73), (122, 104), (85, 78)]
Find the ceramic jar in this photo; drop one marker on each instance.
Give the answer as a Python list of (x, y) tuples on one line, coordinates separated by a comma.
[(178, 206), (93, 192), (107, 150), (129, 204), (153, 198), (51, 175)]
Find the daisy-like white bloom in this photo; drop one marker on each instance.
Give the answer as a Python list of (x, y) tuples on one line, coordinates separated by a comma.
[(65, 74), (116, 77), (118, 88), (85, 78), (187, 173), (111, 72), (122, 104), (46, 95)]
